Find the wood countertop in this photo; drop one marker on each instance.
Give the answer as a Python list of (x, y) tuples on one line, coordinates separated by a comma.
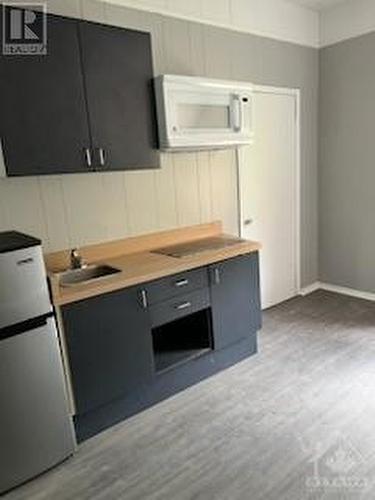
[(138, 262)]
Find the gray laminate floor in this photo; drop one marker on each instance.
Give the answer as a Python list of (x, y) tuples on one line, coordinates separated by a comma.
[(295, 422)]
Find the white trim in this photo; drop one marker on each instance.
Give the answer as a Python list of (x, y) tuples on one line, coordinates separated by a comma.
[(296, 93), (348, 291), (269, 89), (238, 187), (184, 82), (310, 289), (342, 290)]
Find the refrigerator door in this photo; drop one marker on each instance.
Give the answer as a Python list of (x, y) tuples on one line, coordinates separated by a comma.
[(36, 430), (24, 290)]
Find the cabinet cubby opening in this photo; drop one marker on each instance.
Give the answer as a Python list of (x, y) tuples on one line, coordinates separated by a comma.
[(182, 340)]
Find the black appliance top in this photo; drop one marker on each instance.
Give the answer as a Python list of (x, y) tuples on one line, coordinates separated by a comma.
[(13, 240)]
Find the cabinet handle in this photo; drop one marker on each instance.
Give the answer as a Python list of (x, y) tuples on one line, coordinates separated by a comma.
[(3, 172), (101, 157), (88, 157), (182, 283), (184, 305), (217, 276), (144, 299)]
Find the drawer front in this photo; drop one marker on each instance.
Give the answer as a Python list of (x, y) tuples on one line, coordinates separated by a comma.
[(180, 306), (178, 284)]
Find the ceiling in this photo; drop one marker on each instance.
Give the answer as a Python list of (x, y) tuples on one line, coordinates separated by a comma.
[(318, 4)]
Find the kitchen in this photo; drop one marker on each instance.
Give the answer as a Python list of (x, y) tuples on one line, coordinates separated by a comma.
[(158, 242)]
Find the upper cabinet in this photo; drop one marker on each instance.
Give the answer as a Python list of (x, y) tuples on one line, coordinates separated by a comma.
[(117, 67), (43, 119), (85, 106)]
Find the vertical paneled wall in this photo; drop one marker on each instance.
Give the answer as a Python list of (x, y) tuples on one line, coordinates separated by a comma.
[(74, 210), (190, 188)]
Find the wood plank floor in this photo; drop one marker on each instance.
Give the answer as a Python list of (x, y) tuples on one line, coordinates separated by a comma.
[(295, 422)]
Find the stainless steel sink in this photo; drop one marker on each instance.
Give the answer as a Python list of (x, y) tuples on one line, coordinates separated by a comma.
[(86, 275)]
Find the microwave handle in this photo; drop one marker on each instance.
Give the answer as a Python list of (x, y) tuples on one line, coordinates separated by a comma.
[(236, 113)]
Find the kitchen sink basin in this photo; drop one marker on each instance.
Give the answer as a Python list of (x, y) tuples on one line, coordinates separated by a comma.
[(86, 275)]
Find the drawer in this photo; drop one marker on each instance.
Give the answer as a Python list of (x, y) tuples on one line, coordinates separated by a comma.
[(180, 306), (175, 285)]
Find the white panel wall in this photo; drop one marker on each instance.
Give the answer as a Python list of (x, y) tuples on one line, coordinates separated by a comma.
[(74, 210), (350, 19), (277, 19)]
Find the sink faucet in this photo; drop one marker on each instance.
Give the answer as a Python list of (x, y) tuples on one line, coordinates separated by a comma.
[(76, 260)]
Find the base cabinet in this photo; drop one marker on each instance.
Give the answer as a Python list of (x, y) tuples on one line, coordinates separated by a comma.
[(109, 346), (139, 345), (235, 299)]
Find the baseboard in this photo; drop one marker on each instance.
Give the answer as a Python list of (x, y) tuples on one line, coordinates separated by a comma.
[(310, 288), (318, 285), (348, 291)]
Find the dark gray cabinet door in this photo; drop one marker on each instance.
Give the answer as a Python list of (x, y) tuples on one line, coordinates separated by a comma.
[(43, 118), (118, 76), (235, 299), (109, 345)]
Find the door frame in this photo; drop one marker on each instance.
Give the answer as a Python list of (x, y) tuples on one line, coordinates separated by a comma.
[(296, 94)]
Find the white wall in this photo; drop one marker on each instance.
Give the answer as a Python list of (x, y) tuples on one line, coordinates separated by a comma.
[(72, 210), (348, 20), (277, 19)]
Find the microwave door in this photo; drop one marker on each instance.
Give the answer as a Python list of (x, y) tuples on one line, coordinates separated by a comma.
[(198, 117), (202, 113)]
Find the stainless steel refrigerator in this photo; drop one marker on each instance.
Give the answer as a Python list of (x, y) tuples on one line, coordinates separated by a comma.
[(36, 430)]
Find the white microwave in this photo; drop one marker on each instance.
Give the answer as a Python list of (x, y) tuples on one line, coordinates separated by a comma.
[(200, 113)]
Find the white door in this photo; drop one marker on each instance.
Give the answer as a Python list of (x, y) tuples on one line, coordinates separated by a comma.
[(268, 183)]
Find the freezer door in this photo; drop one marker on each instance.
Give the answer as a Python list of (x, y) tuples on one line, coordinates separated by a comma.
[(36, 431), (23, 286)]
